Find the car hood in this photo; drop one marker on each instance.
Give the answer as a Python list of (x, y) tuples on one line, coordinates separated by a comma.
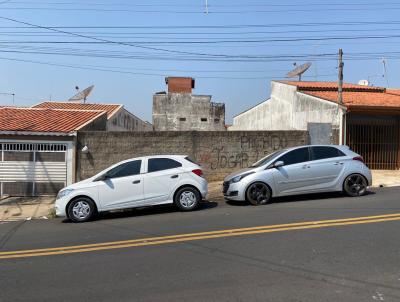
[(80, 184), (237, 173)]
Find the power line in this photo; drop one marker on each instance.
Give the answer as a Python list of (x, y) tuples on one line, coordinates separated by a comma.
[(139, 73), (139, 43), (109, 41), (210, 10), (270, 25)]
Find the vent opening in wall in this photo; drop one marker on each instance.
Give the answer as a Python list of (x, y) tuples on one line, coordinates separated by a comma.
[(182, 119), (216, 120), (203, 119)]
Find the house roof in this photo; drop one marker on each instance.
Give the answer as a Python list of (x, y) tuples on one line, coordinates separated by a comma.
[(360, 99), (332, 86), (45, 120), (109, 108), (355, 96)]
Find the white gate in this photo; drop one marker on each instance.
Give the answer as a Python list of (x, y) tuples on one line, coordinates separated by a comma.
[(31, 169)]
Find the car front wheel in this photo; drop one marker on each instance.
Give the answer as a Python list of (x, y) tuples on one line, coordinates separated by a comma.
[(355, 185), (187, 199), (81, 209), (258, 194)]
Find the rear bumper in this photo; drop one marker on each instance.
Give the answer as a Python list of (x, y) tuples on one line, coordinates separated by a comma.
[(203, 188)]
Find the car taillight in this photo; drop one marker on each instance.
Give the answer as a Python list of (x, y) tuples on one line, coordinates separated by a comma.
[(359, 158), (198, 172)]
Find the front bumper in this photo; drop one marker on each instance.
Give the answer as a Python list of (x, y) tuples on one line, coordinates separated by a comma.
[(60, 206), (233, 191)]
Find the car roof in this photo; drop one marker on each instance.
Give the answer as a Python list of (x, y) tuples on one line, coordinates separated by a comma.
[(342, 147)]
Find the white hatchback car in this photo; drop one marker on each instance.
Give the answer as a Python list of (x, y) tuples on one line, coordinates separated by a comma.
[(136, 182), (300, 170)]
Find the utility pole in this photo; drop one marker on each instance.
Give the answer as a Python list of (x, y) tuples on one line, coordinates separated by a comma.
[(207, 7), (340, 96), (340, 83)]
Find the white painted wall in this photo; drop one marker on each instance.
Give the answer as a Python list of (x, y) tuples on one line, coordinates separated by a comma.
[(123, 120), (287, 109)]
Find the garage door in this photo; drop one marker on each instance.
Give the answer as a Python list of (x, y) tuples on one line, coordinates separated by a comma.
[(376, 138), (32, 169)]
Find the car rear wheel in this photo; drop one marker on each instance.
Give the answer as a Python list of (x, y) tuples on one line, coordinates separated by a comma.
[(258, 194), (187, 199), (81, 209), (355, 185)]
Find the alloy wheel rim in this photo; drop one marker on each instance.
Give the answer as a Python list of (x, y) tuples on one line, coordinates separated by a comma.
[(356, 184), (187, 199), (259, 193), (81, 209)]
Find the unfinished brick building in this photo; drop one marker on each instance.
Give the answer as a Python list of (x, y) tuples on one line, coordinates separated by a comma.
[(180, 110)]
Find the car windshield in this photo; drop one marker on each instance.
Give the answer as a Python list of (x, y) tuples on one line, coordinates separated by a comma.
[(267, 158)]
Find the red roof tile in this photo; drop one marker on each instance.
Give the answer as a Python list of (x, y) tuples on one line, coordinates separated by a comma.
[(109, 108), (353, 95), (393, 91), (44, 120), (329, 86), (360, 99)]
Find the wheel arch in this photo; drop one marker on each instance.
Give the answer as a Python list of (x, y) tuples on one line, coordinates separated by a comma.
[(355, 173), (185, 186), (77, 197), (261, 181)]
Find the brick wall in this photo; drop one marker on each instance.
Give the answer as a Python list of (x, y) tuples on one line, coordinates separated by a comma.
[(219, 153), (180, 85)]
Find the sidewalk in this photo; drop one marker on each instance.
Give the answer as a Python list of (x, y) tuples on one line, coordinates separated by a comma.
[(22, 208), (385, 178)]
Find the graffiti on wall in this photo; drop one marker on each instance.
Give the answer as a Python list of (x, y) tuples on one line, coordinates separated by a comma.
[(251, 149)]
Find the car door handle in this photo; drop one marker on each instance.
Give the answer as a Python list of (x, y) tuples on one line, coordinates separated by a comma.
[(174, 176), (306, 167), (338, 163), (136, 182)]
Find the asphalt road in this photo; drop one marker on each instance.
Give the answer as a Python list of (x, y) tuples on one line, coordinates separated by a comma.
[(241, 255)]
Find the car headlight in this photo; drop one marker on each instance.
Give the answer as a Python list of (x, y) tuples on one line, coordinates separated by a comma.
[(64, 193), (240, 177)]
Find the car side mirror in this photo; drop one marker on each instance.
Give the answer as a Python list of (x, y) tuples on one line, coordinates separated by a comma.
[(103, 177), (278, 164)]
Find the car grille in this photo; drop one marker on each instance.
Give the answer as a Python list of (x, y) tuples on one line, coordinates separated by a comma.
[(225, 187)]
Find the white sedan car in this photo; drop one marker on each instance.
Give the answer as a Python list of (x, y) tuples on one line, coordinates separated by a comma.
[(136, 182)]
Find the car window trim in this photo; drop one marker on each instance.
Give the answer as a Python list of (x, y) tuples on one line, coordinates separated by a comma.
[(140, 170), (309, 156)]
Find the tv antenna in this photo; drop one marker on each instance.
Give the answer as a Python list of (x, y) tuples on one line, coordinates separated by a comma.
[(81, 95), (299, 70), (10, 94)]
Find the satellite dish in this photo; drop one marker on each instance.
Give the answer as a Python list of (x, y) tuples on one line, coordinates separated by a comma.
[(363, 82), (81, 95), (298, 71)]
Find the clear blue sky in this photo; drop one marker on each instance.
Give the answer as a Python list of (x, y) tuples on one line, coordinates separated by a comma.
[(129, 74)]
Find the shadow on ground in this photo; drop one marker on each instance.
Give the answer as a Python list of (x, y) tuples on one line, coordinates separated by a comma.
[(145, 211), (296, 198)]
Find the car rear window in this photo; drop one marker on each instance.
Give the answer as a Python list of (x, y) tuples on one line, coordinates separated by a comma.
[(325, 152), (160, 164)]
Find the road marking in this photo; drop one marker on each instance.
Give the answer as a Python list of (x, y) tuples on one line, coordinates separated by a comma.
[(197, 236)]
